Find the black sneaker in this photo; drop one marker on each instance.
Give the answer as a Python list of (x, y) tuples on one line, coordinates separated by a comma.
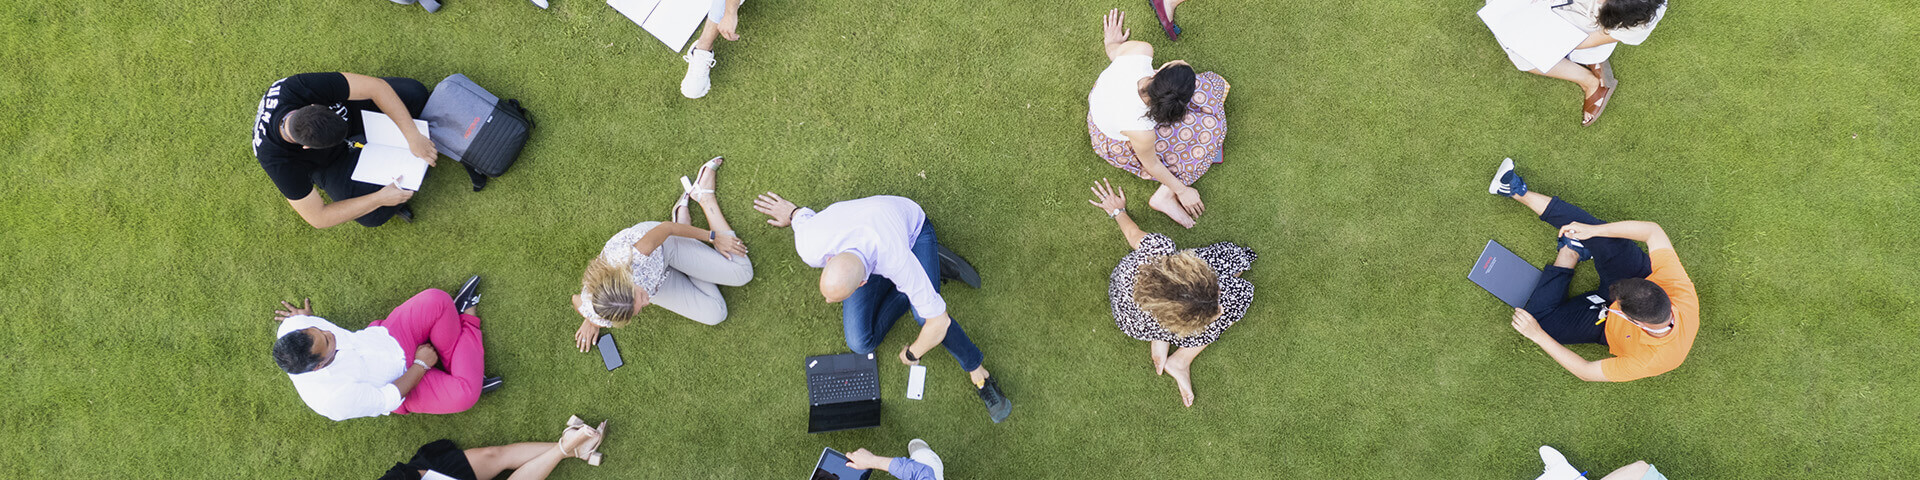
[(405, 213), (469, 295), (952, 267), (998, 406), (491, 384)]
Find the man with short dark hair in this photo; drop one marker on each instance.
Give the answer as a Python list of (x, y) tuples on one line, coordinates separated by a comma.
[(301, 136), (1646, 310), (426, 357)]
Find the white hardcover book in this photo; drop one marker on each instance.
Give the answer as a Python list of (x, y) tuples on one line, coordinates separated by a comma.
[(673, 22), (1531, 29), (386, 158)]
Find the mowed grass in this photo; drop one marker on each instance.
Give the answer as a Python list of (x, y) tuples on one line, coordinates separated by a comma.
[(142, 250)]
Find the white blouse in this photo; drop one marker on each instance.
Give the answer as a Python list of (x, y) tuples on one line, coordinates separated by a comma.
[(1115, 104), (648, 270)]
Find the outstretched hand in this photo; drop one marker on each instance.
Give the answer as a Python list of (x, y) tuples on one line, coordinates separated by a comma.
[(1107, 197), (1114, 25), (288, 310), (779, 208)]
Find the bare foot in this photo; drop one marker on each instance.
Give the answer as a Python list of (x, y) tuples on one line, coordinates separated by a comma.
[(1165, 202), (1178, 369)]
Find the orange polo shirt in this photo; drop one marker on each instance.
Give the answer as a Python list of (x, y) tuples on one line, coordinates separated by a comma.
[(1638, 355)]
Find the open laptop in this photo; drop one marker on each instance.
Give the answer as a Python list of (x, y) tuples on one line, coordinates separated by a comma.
[(833, 466), (1504, 274), (843, 392)]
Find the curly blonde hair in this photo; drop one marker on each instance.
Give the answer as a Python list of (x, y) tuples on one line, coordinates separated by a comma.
[(611, 290), (1180, 291)]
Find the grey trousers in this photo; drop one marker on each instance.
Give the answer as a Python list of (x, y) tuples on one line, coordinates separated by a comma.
[(694, 273)]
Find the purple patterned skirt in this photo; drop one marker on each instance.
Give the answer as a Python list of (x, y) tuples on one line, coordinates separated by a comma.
[(1188, 148)]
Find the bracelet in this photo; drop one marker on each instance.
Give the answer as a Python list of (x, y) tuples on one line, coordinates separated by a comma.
[(422, 364), (796, 208), (712, 235)]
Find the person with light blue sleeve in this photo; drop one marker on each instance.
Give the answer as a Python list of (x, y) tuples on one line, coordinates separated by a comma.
[(919, 464), (1557, 468)]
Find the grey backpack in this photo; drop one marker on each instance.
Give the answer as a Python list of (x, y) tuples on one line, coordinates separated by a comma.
[(476, 128)]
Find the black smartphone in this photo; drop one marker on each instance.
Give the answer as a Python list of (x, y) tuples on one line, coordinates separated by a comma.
[(609, 352)]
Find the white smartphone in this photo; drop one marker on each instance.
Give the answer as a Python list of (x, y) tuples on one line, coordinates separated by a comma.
[(916, 381)]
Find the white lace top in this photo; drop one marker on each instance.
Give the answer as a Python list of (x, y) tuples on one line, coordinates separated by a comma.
[(648, 271)]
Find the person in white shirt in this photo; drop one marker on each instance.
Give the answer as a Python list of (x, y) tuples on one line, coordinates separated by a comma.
[(426, 357), (1166, 124), (879, 257), (1607, 23)]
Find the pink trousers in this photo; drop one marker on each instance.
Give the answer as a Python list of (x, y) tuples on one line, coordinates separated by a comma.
[(454, 384)]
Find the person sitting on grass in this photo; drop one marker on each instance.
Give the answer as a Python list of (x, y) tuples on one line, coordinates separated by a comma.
[(1646, 310), (879, 256), (425, 357), (1608, 23), (442, 459), (300, 137), (1557, 468), (1167, 296), (664, 264), (723, 20), (1165, 124), (919, 464)]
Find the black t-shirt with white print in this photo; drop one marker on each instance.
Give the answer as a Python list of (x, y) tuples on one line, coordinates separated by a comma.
[(289, 165)]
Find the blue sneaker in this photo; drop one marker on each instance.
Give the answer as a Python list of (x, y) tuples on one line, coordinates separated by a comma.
[(1506, 182), (1577, 247)]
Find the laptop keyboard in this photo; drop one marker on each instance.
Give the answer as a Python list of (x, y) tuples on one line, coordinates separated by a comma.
[(841, 387)]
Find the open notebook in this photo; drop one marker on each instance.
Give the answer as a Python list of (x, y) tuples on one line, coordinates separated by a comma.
[(673, 22), (386, 158), (1531, 29)]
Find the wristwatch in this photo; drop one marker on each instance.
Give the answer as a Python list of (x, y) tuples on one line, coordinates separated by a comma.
[(1115, 213), (910, 356)]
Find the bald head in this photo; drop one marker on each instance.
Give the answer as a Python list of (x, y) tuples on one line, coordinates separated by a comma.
[(843, 274)]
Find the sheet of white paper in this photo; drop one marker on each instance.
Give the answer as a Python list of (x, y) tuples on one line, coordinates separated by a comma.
[(1530, 28), (675, 21), (386, 157), (635, 10)]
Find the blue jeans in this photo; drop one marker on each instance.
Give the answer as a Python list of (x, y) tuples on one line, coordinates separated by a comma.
[(871, 311), (1571, 320)]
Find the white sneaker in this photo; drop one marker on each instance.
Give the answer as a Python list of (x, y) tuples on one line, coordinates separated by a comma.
[(699, 64), (541, 3), (1557, 466), (920, 452)]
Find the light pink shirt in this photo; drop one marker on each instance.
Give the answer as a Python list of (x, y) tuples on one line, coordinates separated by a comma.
[(878, 229)]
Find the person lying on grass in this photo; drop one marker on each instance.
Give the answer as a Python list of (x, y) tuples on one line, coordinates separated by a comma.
[(1169, 297), (300, 137), (1164, 124), (665, 264), (442, 459), (1646, 310), (879, 259), (1608, 23)]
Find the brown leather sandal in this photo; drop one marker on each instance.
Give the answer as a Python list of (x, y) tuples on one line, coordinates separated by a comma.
[(1597, 103)]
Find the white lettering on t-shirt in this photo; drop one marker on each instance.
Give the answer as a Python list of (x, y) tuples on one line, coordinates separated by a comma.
[(267, 103)]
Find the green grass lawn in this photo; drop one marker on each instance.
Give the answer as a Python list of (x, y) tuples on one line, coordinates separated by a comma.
[(142, 250)]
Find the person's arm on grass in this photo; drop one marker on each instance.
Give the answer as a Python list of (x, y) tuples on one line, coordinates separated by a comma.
[(1639, 231), (320, 214), (362, 87), (1114, 38), (1578, 366), (1110, 200)]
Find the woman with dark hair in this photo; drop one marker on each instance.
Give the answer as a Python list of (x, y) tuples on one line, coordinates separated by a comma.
[(1607, 23), (444, 460), (1164, 124), (1172, 297)]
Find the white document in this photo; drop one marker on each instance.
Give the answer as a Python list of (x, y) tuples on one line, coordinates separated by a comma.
[(673, 22), (1530, 28), (387, 159)]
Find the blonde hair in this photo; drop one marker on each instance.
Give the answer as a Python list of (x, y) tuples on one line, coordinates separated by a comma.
[(1180, 291), (611, 290)]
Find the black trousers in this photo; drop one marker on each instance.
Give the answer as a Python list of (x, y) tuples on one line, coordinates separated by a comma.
[(1571, 320), (338, 181)]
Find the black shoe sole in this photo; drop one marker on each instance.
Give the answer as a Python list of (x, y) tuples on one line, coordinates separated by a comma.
[(953, 267)]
